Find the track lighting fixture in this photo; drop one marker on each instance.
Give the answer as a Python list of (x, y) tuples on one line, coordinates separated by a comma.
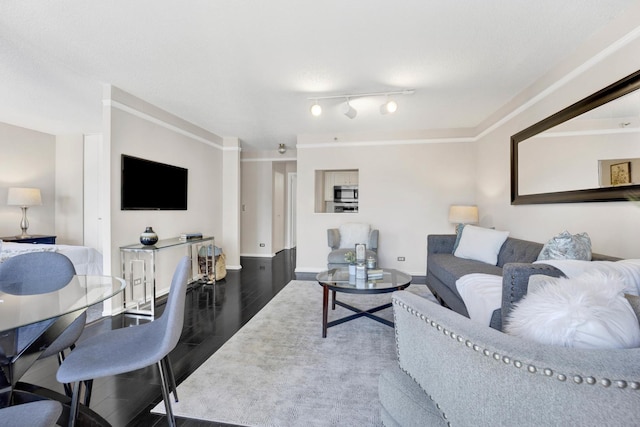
[(388, 107), (349, 111), (316, 109), (282, 148)]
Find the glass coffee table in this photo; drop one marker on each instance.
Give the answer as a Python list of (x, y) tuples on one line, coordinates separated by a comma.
[(339, 280)]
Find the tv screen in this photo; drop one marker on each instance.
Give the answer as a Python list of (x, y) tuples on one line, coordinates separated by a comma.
[(148, 185)]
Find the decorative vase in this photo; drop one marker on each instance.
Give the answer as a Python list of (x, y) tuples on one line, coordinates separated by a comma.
[(352, 269), (149, 237)]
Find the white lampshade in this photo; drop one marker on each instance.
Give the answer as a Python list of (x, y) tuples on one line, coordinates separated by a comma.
[(463, 214), (24, 197)]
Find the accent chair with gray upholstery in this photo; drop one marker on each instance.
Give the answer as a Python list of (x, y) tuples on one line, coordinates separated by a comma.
[(40, 413), (127, 349), (343, 239), (453, 371), (34, 273)]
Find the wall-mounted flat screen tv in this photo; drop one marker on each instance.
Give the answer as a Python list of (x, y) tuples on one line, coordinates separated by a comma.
[(148, 185)]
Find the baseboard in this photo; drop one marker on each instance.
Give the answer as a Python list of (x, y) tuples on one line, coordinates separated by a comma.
[(306, 276), (258, 255)]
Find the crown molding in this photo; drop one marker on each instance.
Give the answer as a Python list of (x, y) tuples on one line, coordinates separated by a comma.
[(140, 114)]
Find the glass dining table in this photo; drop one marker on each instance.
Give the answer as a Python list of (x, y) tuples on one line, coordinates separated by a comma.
[(55, 311)]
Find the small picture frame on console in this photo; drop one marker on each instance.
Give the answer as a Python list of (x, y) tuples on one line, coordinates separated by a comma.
[(361, 253)]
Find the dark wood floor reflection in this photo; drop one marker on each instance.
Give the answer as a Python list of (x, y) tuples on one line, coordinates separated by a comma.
[(211, 318)]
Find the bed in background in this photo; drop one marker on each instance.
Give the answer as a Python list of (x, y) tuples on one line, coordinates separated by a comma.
[(86, 260)]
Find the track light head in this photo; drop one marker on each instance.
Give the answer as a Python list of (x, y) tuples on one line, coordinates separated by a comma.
[(349, 111), (282, 148), (388, 107), (316, 109)]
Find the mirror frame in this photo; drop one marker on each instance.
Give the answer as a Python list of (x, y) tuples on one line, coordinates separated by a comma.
[(605, 194)]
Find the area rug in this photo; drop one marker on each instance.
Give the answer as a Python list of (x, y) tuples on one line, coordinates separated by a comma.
[(279, 371)]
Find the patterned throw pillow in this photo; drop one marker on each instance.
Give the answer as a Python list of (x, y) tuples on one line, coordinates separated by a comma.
[(458, 236), (567, 246)]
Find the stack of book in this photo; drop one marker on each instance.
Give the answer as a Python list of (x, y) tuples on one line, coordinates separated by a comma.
[(189, 236), (375, 273)]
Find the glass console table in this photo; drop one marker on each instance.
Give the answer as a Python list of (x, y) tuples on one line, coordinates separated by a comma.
[(140, 268)]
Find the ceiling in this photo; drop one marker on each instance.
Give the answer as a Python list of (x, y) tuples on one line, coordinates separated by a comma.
[(248, 68)]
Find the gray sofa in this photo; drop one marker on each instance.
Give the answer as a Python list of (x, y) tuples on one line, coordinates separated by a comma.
[(453, 371), (514, 265)]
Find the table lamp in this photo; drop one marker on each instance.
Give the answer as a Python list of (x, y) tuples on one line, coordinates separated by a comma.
[(24, 197), (463, 215)]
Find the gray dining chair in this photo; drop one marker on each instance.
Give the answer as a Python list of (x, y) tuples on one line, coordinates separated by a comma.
[(39, 273), (127, 349), (41, 413)]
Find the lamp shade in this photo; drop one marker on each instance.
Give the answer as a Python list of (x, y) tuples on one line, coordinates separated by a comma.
[(19, 196), (463, 214)]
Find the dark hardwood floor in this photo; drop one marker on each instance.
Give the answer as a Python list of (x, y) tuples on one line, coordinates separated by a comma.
[(212, 316)]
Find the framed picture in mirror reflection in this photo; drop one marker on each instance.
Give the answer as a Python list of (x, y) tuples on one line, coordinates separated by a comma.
[(621, 173)]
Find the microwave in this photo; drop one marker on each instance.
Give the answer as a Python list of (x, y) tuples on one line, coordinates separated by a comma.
[(345, 193)]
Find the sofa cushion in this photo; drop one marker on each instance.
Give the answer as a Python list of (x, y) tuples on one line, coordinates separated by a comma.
[(516, 250), (404, 401), (448, 268), (567, 246), (587, 311), (480, 244)]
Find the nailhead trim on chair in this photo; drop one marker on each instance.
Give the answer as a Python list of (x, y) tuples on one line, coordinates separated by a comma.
[(422, 317), (577, 379)]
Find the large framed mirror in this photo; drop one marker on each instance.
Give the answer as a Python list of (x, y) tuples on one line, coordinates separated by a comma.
[(588, 152)]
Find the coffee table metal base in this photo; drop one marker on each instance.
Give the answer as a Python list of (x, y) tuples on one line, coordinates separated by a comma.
[(358, 312)]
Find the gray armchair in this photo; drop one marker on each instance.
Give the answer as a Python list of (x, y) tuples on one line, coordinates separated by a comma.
[(454, 371), (335, 258)]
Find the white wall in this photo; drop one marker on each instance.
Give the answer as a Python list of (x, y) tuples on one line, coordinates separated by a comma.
[(279, 206), (264, 217), (137, 128), (69, 217), (256, 215), (405, 189), (614, 227), (230, 237), (27, 159)]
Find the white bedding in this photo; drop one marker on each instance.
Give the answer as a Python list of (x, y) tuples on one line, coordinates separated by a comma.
[(482, 293), (86, 260)]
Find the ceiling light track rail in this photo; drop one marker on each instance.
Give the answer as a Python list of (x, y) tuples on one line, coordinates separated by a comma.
[(389, 106), (362, 95)]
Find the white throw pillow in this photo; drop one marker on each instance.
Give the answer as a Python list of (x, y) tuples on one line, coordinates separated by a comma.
[(588, 311), (480, 244), (352, 233)]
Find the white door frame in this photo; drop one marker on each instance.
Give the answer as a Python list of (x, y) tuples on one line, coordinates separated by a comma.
[(292, 188)]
